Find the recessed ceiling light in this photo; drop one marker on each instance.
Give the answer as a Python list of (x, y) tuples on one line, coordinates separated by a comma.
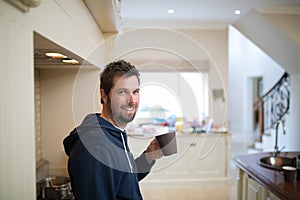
[(55, 55), (70, 61), (171, 11), (237, 12)]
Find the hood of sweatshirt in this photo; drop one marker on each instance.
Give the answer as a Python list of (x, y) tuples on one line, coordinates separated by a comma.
[(100, 138)]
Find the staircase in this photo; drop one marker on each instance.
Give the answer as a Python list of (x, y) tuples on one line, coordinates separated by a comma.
[(273, 105)]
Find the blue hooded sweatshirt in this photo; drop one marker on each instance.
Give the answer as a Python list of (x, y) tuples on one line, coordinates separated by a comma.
[(100, 165)]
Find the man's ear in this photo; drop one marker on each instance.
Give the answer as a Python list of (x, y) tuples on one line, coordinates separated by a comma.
[(103, 96)]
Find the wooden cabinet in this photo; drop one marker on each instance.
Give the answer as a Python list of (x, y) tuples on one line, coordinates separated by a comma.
[(272, 196), (201, 159), (255, 191), (250, 189), (257, 182)]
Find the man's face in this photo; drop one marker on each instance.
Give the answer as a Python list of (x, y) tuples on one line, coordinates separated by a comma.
[(123, 99)]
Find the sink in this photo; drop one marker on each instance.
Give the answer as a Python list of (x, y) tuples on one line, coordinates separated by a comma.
[(276, 162)]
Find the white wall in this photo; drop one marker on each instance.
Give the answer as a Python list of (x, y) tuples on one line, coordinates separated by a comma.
[(205, 49), (247, 60), (276, 43), (63, 106), (290, 26), (287, 24), (56, 115), (64, 27), (215, 45), (292, 138)]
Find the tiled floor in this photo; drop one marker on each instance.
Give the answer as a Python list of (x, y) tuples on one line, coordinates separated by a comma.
[(216, 192)]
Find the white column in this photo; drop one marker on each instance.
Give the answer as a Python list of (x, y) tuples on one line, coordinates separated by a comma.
[(17, 147), (292, 119)]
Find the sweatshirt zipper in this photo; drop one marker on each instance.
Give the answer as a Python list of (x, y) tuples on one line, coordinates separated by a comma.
[(126, 153)]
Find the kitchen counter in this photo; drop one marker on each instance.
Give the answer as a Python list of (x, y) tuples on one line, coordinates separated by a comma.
[(272, 180), (201, 159)]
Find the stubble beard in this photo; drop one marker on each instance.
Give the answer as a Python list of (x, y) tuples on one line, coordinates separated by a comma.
[(120, 118)]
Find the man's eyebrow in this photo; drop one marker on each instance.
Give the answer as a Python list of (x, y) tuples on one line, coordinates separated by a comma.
[(137, 89), (128, 90)]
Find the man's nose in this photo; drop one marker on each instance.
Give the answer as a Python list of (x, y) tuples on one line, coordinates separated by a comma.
[(133, 98)]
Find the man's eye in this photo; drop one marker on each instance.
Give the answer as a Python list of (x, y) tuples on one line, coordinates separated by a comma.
[(122, 92)]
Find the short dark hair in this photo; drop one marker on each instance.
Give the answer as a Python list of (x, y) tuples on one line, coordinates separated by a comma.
[(116, 68)]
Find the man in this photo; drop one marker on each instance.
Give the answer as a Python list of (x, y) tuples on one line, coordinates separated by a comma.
[(100, 165)]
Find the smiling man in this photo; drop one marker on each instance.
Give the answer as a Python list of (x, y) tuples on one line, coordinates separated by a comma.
[(121, 103), (100, 163)]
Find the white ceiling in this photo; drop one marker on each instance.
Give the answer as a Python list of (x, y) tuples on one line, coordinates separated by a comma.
[(189, 14), (196, 14)]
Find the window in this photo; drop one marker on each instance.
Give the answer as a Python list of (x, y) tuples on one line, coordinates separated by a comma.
[(180, 95)]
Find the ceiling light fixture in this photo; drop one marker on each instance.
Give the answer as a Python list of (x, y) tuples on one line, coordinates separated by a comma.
[(70, 61), (237, 12), (171, 11), (55, 55)]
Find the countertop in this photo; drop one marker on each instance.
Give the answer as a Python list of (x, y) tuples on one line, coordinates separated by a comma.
[(270, 179), (178, 134)]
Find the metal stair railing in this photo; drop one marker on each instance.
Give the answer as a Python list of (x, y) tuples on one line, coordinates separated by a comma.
[(273, 105)]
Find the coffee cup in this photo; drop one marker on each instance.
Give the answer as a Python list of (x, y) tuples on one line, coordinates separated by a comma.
[(289, 173), (167, 143)]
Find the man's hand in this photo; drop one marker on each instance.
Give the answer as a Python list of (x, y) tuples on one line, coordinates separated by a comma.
[(153, 151)]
